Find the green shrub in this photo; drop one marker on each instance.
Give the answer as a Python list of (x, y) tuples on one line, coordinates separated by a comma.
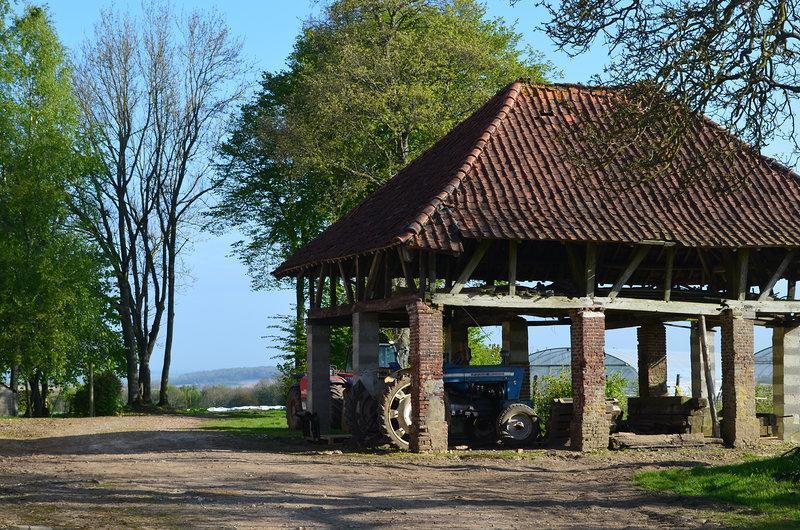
[(552, 387), (764, 399), (107, 396)]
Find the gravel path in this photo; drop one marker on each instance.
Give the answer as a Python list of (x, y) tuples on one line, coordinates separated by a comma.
[(157, 471)]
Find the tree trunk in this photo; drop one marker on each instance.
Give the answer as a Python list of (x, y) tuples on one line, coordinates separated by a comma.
[(38, 391), (131, 359), (145, 396), (300, 311), (163, 397)]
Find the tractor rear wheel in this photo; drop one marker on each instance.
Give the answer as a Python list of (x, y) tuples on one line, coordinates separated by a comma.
[(294, 409), (396, 413), (518, 425)]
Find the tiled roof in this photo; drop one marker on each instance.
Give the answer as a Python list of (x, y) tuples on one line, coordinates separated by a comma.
[(508, 172)]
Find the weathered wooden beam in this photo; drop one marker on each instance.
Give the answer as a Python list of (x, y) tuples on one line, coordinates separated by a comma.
[(423, 277), (374, 269), (312, 299), (431, 271), (333, 295), (767, 289), (470, 267), (638, 257), (742, 259), (359, 278), (348, 290), (404, 263), (512, 267), (320, 284), (668, 273), (590, 270), (575, 267)]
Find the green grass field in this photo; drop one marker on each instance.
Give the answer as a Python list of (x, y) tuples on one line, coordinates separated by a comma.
[(755, 484), (271, 423)]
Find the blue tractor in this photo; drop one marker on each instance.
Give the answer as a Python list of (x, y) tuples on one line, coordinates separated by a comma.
[(482, 407)]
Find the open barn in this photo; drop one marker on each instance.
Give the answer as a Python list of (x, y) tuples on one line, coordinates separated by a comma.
[(501, 222)]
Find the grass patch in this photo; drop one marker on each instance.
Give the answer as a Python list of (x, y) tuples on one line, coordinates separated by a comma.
[(271, 423), (761, 484)]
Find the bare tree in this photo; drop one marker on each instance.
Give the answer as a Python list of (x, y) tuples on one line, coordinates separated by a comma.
[(154, 92)]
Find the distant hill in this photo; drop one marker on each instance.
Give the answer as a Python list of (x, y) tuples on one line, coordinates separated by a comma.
[(245, 376)]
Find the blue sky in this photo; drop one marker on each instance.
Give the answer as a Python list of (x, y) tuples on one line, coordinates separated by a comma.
[(220, 321)]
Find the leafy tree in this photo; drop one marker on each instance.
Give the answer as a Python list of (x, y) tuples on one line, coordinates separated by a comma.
[(735, 61), (482, 352), (369, 86), (53, 311)]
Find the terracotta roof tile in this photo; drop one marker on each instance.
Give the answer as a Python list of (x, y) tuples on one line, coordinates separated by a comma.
[(507, 172)]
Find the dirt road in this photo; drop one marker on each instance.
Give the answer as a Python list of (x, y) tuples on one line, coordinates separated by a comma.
[(167, 471)]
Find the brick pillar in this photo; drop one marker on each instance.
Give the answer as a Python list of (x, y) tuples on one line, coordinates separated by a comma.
[(652, 340), (786, 382), (515, 345), (739, 423), (589, 427), (366, 341), (428, 429), (457, 343), (699, 387), (318, 398)]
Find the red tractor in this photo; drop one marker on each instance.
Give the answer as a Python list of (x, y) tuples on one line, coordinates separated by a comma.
[(341, 387)]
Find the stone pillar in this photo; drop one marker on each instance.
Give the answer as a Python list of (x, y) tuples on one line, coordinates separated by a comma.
[(318, 398), (515, 344), (652, 341), (366, 339), (739, 424), (786, 382), (428, 425), (589, 427), (457, 343), (699, 387)]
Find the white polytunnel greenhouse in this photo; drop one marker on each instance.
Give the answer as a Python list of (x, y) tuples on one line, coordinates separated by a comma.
[(554, 361), (764, 366)]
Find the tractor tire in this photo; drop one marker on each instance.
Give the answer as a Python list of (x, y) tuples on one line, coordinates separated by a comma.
[(337, 405), (349, 412), (518, 425), (294, 409), (396, 413), (362, 416)]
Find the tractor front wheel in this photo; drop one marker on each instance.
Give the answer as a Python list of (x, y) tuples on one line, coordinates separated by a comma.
[(396, 413), (518, 426)]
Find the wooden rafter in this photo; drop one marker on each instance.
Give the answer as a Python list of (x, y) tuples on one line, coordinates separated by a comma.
[(405, 264), (333, 295), (470, 267), (742, 260), (638, 257), (767, 289), (590, 270), (431, 271), (374, 269), (320, 284)]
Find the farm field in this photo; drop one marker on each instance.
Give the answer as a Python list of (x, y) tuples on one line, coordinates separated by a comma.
[(248, 470)]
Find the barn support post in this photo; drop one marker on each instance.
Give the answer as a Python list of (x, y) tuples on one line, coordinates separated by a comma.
[(652, 349), (786, 382), (699, 386), (319, 370), (515, 345), (739, 423), (366, 341), (428, 425), (456, 342), (589, 427)]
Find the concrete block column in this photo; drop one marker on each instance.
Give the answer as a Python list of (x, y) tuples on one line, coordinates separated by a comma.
[(652, 343), (366, 339), (786, 382), (589, 427), (515, 344), (319, 370), (699, 387), (429, 428), (739, 423)]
